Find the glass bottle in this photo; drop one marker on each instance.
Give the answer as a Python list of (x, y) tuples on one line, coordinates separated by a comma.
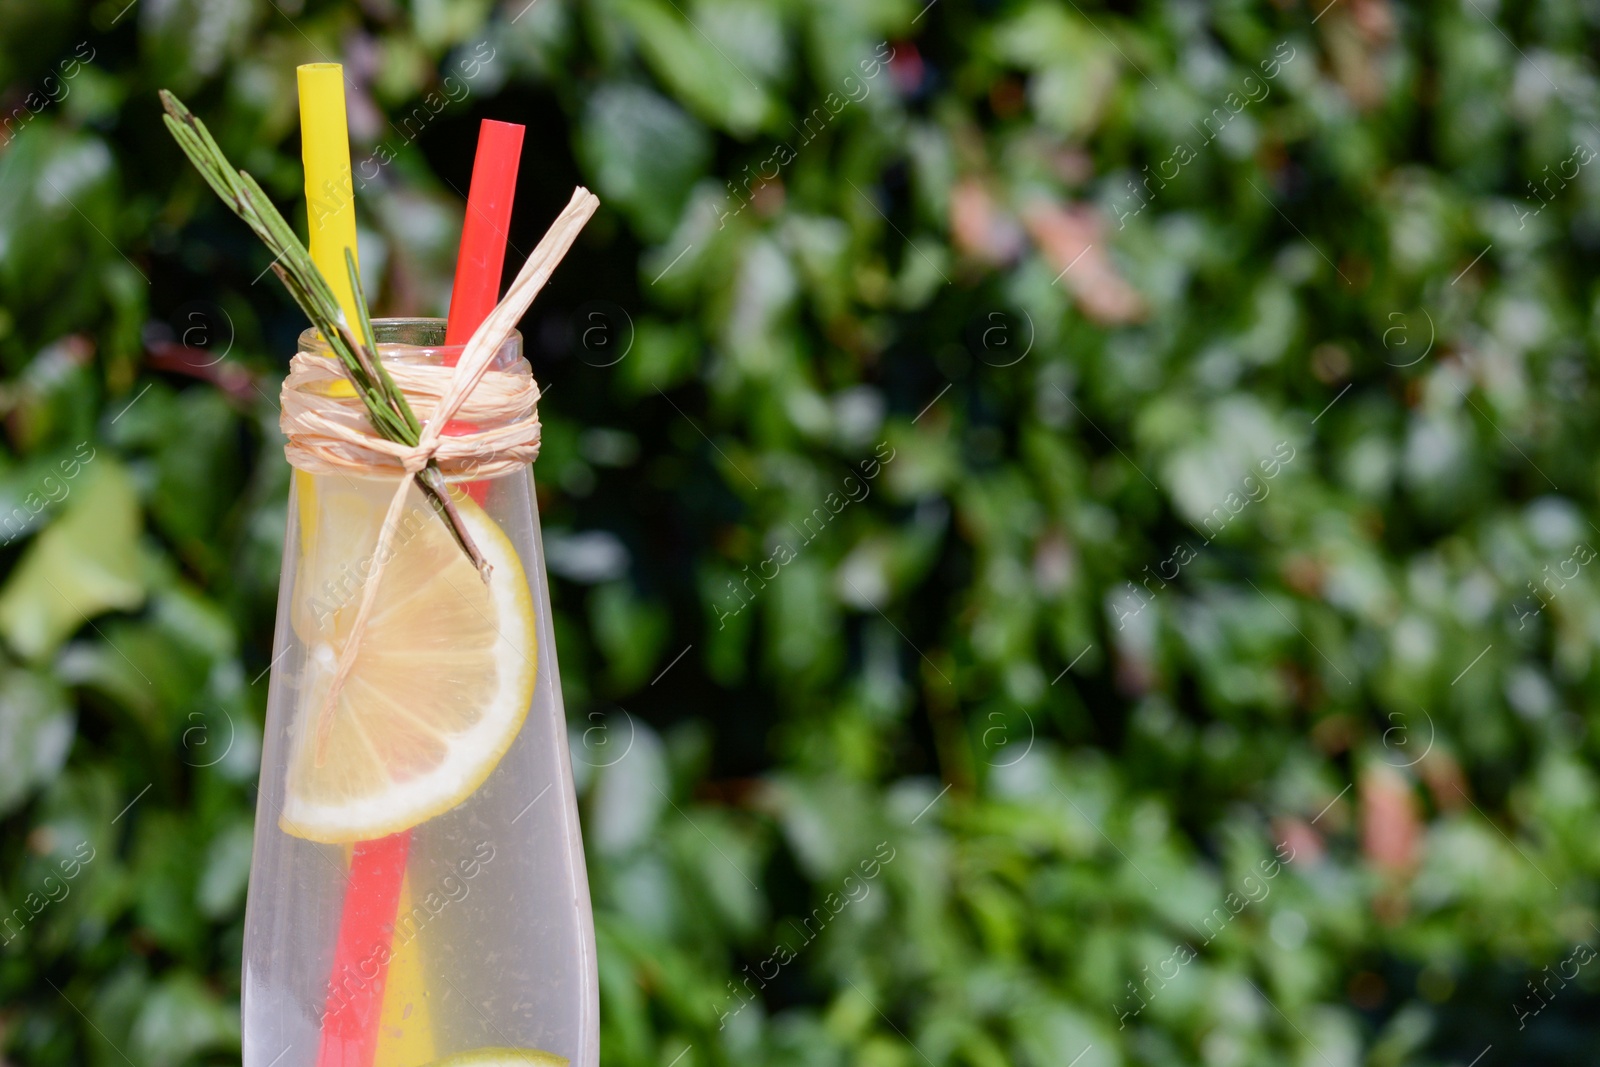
[(469, 932)]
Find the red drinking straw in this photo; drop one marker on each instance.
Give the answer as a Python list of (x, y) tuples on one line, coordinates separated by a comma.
[(377, 868), (483, 247), (483, 235), (361, 954)]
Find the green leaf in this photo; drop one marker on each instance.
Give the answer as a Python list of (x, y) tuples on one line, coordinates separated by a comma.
[(632, 632), (181, 1019), (36, 731), (1075, 64), (189, 40), (663, 355), (61, 199), (83, 566), (644, 153), (193, 438), (227, 870), (167, 866), (713, 83)]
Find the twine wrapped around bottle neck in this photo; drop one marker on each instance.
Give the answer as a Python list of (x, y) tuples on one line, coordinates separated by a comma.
[(330, 434)]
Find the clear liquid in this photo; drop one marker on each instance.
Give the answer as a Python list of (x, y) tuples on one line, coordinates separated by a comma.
[(493, 940)]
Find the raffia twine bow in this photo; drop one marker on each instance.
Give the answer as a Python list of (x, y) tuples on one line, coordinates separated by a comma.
[(329, 434)]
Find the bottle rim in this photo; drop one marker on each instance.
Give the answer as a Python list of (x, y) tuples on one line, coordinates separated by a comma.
[(415, 339)]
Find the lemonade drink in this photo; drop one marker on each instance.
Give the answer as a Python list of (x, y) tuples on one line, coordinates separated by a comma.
[(443, 755)]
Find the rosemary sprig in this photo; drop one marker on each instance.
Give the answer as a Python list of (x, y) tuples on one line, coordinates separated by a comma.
[(387, 409)]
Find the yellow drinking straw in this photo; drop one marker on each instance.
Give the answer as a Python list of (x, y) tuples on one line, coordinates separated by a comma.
[(330, 192), (399, 1033)]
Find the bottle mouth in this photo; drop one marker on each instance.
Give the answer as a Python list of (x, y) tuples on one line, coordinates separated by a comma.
[(421, 341)]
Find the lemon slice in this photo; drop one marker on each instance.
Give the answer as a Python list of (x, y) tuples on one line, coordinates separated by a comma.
[(442, 677), (493, 1057)]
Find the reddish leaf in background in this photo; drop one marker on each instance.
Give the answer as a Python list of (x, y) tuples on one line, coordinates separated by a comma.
[(1073, 239), (1391, 831), (981, 228)]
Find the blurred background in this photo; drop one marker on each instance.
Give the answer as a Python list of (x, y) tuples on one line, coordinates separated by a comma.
[(1069, 522)]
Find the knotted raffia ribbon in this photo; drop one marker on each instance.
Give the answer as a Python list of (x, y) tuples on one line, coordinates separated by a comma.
[(329, 434)]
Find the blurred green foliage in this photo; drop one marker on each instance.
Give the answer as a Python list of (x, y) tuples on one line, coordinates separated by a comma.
[(1088, 452)]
